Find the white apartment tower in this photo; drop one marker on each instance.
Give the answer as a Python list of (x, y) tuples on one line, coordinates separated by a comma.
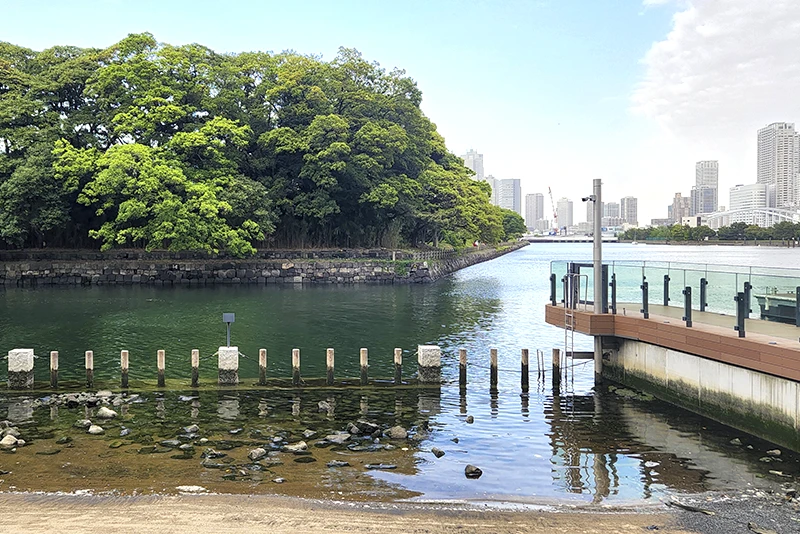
[(474, 161), (564, 211), (705, 194), (509, 195), (629, 210), (746, 200), (534, 209), (779, 161)]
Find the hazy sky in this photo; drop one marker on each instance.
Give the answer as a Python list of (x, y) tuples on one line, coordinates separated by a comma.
[(554, 92)]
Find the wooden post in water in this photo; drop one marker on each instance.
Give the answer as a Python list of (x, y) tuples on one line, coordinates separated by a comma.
[(556, 371), (525, 370), (493, 370), (89, 360), (329, 355), (295, 367), (398, 365), (364, 358), (195, 368), (124, 363), (262, 367), (161, 364), (462, 368), (54, 369)]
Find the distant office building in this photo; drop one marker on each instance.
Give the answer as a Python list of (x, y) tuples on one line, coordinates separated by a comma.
[(745, 200), (660, 222), (779, 162), (590, 211), (611, 209), (474, 161), (534, 209), (629, 210), (509, 195), (493, 183), (705, 196), (610, 222), (681, 207), (564, 211)]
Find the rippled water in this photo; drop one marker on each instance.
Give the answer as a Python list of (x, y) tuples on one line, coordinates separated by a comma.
[(582, 445)]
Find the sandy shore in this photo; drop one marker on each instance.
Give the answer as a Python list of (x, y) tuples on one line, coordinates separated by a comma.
[(30, 513)]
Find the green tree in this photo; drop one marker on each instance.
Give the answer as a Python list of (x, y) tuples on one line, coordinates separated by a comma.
[(513, 225)]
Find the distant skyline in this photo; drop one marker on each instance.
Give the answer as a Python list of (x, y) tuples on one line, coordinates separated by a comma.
[(554, 93)]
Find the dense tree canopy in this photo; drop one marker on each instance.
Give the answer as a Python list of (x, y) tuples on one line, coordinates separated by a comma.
[(149, 145), (735, 232)]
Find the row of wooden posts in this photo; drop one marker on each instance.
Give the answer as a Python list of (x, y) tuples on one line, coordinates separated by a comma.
[(429, 360)]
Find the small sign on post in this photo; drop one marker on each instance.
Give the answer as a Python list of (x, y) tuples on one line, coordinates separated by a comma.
[(228, 318)]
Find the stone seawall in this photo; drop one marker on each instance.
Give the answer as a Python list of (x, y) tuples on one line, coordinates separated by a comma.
[(299, 267)]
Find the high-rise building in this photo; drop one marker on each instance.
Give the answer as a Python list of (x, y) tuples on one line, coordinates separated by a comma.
[(611, 209), (705, 196), (493, 183), (629, 210), (779, 161), (564, 211), (509, 194), (681, 207), (590, 211), (474, 161), (745, 200), (534, 209)]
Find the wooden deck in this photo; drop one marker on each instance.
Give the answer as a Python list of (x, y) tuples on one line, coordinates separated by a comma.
[(768, 347)]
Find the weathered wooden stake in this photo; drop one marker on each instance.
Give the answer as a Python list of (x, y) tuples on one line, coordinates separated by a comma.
[(462, 368), (329, 365), (295, 367), (161, 364), (556, 371), (124, 362), (493, 370), (525, 370), (195, 368), (398, 365), (20, 369), (364, 358), (262, 367), (54, 369), (89, 359)]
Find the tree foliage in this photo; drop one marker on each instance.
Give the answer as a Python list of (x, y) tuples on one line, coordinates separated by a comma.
[(737, 231), (144, 144)]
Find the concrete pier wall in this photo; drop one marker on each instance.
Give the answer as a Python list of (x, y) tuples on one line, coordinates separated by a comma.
[(765, 405)]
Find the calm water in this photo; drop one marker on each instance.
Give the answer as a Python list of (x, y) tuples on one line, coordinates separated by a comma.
[(582, 445)]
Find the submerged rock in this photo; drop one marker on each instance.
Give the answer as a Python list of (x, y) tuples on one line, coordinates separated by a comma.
[(381, 466), (337, 463), (63, 440), (774, 452), (171, 443), (338, 439), (470, 419), (305, 459), (397, 432), (105, 413), (736, 441), (82, 423), (437, 452), (191, 429), (257, 454), (296, 447), (472, 472)]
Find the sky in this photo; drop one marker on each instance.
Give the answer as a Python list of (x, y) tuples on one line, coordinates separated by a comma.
[(553, 92)]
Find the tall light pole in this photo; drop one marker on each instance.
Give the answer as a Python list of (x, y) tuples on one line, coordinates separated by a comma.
[(597, 261)]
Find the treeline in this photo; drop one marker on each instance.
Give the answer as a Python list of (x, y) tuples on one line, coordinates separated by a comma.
[(155, 146), (735, 232)]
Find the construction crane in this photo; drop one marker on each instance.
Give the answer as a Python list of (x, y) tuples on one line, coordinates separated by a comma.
[(555, 212)]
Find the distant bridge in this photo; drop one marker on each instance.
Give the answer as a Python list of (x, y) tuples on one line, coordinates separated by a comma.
[(765, 217), (566, 239)]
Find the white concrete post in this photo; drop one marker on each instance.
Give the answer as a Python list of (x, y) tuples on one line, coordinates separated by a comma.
[(228, 362), (20, 369), (429, 359)]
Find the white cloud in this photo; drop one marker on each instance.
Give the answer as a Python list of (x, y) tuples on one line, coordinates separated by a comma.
[(725, 69)]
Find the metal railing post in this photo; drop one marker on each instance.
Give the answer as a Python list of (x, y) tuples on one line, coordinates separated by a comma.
[(703, 294), (613, 293), (687, 306), (797, 306), (666, 290), (645, 298), (747, 290), (740, 313), (553, 288)]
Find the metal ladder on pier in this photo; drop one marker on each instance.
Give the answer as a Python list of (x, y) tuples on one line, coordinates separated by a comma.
[(572, 303)]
